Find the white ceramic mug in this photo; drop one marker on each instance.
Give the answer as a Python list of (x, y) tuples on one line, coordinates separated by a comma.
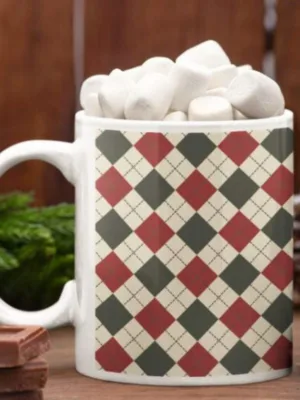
[(183, 249)]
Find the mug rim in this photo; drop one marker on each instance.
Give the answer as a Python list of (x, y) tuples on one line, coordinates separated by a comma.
[(282, 121)]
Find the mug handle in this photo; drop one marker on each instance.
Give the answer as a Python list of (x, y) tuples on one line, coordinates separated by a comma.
[(61, 155)]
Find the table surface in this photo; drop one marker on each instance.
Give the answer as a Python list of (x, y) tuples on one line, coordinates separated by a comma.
[(66, 384)]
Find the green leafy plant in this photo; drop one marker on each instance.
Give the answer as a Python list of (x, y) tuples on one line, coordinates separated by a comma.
[(36, 251)]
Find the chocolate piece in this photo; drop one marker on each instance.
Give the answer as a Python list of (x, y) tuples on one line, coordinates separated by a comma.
[(19, 344), (31, 376), (36, 395)]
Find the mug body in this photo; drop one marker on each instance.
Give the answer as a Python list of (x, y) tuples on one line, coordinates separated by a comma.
[(184, 250)]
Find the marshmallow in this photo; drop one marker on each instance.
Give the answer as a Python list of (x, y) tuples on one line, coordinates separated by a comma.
[(237, 115), (210, 108), (219, 91), (243, 68), (113, 94), (91, 85), (161, 65), (189, 81), (92, 106), (222, 76), (116, 73), (209, 54), (176, 116), (150, 99), (134, 73), (255, 95)]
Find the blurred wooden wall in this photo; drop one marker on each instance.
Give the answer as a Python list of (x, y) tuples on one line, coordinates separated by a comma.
[(288, 65), (37, 89)]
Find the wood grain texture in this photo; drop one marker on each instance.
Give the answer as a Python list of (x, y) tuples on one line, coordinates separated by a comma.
[(37, 88), (66, 384), (124, 33), (288, 65)]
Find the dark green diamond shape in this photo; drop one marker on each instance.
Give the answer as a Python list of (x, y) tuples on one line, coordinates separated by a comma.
[(154, 189), (240, 359), (154, 361), (279, 143), (196, 233), (113, 145), (239, 274), (196, 147), (197, 319), (280, 313), (239, 188), (154, 275), (113, 315), (113, 229), (280, 228)]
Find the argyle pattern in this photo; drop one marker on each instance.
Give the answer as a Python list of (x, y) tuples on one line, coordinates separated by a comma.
[(193, 238)]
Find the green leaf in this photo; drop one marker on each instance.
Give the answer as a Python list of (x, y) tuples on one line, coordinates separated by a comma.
[(40, 241), (15, 201), (17, 232), (58, 219), (43, 215), (7, 260)]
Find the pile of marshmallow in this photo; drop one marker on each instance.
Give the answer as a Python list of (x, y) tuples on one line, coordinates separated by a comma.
[(201, 85)]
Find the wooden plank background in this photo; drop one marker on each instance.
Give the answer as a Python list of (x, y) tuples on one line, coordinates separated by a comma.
[(37, 95), (288, 65), (124, 33), (36, 89)]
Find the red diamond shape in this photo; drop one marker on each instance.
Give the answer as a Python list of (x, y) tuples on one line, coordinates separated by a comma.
[(196, 190), (239, 317), (238, 146), (197, 361), (113, 186), (197, 276), (113, 272), (239, 231), (280, 270), (154, 232), (155, 318), (112, 357), (280, 185), (280, 355), (154, 147)]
